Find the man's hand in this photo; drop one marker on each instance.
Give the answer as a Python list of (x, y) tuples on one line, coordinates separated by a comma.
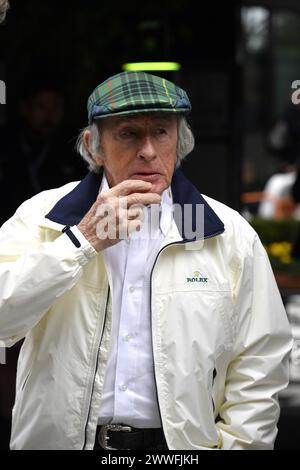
[(115, 213)]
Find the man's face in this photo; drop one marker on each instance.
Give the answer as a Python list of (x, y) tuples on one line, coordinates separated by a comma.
[(141, 147)]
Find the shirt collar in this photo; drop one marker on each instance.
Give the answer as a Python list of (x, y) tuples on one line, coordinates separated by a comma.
[(166, 217)]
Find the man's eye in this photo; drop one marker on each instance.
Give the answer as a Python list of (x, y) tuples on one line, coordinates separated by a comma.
[(128, 134), (161, 131)]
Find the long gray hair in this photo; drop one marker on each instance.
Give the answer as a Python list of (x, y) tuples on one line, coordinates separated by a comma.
[(4, 5), (185, 143)]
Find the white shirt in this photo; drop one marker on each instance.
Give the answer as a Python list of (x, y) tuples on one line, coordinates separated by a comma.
[(129, 393), (278, 186)]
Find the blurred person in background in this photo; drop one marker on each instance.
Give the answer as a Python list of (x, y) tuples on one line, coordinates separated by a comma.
[(37, 151), (277, 200), (177, 339), (284, 144)]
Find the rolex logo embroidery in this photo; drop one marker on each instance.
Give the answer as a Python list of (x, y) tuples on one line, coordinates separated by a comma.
[(197, 277)]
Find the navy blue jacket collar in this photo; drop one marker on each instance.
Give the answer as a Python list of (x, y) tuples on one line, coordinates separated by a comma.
[(71, 208)]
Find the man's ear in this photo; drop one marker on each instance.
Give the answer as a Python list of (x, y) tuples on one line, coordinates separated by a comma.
[(87, 143)]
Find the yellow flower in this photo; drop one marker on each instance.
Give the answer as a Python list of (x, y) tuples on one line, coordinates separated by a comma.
[(281, 250)]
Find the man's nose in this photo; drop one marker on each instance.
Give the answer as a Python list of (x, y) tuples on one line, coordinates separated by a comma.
[(147, 150)]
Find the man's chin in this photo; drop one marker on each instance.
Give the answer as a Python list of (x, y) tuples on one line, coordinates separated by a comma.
[(158, 189), (158, 186)]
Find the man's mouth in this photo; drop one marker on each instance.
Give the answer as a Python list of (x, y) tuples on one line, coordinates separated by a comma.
[(145, 175)]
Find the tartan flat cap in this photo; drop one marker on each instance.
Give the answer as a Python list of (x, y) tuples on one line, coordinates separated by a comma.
[(136, 92)]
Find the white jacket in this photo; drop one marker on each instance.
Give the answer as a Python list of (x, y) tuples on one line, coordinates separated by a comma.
[(220, 346)]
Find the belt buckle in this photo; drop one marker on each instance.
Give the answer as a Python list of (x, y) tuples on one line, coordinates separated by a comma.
[(103, 437)]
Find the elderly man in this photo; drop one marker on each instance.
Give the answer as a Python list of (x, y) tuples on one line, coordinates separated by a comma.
[(174, 339), (4, 5)]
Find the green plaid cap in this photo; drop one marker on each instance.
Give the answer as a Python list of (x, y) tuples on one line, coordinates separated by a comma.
[(136, 92)]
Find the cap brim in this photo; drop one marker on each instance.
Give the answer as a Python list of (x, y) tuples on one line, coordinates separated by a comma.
[(141, 111)]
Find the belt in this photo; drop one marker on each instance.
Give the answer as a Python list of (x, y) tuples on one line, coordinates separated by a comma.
[(121, 436)]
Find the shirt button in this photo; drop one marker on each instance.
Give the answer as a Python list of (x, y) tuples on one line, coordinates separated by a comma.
[(131, 289), (128, 337), (123, 387)]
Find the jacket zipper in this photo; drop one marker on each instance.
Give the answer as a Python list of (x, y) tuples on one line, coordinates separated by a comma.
[(181, 242), (96, 368), (212, 386)]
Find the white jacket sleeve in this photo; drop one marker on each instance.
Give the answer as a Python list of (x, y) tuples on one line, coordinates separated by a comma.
[(259, 368), (33, 273)]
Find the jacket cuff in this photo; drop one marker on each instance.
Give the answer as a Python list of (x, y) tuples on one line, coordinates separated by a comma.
[(85, 251)]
